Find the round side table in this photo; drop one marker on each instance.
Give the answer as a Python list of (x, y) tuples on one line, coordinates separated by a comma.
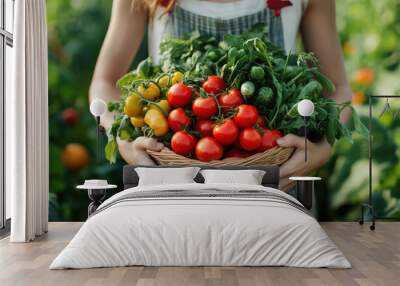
[(305, 189), (96, 195)]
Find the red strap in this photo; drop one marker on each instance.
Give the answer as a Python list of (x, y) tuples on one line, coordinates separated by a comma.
[(277, 5)]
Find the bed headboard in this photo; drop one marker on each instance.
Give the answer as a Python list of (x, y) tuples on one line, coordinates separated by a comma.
[(271, 177)]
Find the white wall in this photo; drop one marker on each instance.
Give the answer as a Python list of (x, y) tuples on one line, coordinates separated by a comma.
[(9, 26)]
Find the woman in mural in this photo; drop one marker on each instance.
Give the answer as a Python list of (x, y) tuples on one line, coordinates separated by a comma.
[(313, 18)]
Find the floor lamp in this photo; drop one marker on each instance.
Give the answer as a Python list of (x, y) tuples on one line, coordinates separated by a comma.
[(305, 109), (97, 108)]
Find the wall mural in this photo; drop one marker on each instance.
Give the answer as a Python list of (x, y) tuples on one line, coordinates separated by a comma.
[(245, 122)]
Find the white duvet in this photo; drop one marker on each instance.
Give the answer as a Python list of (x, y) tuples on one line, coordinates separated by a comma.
[(204, 231)]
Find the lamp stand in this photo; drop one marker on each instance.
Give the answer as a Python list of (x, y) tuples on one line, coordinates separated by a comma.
[(305, 138), (98, 139)]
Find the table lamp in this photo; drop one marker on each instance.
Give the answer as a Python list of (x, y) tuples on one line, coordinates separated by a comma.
[(97, 108), (305, 109)]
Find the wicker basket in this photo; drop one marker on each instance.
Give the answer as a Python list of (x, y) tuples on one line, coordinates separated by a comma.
[(274, 156)]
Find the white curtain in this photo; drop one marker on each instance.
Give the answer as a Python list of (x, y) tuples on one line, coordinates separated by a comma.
[(27, 124)]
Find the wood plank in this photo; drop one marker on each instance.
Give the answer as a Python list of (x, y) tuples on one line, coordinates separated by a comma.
[(375, 257)]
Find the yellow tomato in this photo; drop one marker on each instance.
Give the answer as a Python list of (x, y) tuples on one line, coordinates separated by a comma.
[(177, 77), (156, 121), (163, 104), (149, 91), (137, 121), (133, 105), (163, 81)]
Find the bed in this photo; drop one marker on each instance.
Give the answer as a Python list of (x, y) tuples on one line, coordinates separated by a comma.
[(201, 224)]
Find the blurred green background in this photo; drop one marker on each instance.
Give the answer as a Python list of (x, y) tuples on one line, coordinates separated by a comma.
[(370, 35)]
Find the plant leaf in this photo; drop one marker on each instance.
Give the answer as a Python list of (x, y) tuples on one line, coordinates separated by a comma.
[(233, 41), (332, 124), (111, 151), (359, 127), (326, 82)]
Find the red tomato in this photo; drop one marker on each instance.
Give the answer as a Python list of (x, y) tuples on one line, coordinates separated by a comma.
[(178, 120), (70, 116), (214, 84), (250, 139), (237, 153), (261, 121), (205, 127), (268, 139), (208, 149), (246, 116), (179, 95), (232, 99), (226, 133), (204, 107), (183, 143)]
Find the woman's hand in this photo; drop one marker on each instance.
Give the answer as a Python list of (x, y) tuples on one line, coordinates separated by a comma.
[(318, 155), (134, 152)]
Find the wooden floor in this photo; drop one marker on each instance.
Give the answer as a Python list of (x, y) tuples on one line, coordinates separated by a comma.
[(375, 257)]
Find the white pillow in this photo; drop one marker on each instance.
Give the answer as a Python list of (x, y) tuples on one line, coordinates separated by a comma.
[(248, 177), (164, 176)]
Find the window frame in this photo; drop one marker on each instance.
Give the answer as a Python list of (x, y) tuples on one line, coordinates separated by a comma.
[(6, 39)]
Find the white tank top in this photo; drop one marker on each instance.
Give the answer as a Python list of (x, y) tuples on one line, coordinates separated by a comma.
[(288, 23)]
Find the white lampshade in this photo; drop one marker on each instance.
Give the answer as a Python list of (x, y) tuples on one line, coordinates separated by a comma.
[(98, 107), (305, 107)]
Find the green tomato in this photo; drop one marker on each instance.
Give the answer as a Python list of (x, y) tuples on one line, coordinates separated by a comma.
[(124, 134), (213, 54), (257, 73), (266, 93), (247, 89), (263, 99), (233, 53)]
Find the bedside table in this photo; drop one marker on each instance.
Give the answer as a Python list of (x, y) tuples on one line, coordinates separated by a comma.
[(96, 190), (305, 189)]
